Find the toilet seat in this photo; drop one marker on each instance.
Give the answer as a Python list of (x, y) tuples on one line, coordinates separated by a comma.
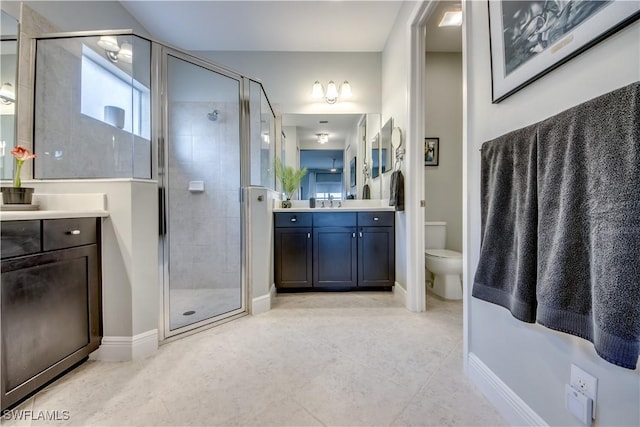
[(443, 253)]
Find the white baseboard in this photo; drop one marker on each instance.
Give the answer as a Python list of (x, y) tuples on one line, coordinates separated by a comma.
[(118, 349), (262, 304), (505, 400), (400, 294)]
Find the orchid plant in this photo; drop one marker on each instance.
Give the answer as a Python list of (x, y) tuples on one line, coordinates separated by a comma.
[(21, 154)]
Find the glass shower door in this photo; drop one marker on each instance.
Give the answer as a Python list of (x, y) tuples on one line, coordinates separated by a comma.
[(201, 179)]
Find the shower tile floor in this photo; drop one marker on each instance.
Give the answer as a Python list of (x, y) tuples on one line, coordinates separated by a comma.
[(189, 306), (314, 360)]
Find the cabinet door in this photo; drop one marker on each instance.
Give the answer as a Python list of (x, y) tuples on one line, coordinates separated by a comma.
[(293, 257), (376, 256), (50, 314), (335, 257)]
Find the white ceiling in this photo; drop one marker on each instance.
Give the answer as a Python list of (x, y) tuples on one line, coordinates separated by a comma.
[(294, 26)]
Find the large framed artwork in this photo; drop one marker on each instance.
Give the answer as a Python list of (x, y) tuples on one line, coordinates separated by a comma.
[(531, 38)]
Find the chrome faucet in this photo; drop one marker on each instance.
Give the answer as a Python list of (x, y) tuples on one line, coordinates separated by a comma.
[(330, 200)]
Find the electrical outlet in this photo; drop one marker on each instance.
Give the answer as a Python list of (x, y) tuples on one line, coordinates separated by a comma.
[(586, 384)]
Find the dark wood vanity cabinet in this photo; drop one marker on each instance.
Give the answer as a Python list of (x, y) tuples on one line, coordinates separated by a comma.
[(343, 250), (376, 249), (293, 250), (50, 301), (335, 250)]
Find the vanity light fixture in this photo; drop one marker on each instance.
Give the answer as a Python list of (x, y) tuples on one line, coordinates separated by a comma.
[(114, 51), (332, 94), (7, 95), (323, 138), (451, 18)]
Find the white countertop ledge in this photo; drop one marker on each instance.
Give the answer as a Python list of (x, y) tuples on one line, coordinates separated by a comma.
[(340, 209), (55, 206), (50, 214)]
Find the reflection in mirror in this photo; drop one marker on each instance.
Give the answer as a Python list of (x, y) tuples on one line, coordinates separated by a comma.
[(375, 156), (347, 135), (8, 66), (324, 178), (385, 146)]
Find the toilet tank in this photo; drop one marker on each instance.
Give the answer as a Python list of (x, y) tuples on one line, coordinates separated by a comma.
[(435, 234)]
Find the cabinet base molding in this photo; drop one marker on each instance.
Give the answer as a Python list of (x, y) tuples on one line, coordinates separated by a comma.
[(119, 349), (262, 303), (400, 294), (337, 289)]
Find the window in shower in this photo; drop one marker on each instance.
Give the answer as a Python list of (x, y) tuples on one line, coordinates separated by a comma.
[(111, 96)]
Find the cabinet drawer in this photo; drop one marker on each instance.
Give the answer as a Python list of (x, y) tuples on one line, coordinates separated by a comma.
[(66, 233), (334, 219), (293, 219), (20, 238), (376, 219)]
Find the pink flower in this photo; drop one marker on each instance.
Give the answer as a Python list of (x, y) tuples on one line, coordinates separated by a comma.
[(21, 153)]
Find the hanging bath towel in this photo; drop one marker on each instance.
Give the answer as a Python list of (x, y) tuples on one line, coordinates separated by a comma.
[(397, 190), (366, 192), (506, 273), (589, 224)]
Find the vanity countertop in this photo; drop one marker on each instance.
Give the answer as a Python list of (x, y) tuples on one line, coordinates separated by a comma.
[(50, 214), (55, 206), (338, 209), (368, 205)]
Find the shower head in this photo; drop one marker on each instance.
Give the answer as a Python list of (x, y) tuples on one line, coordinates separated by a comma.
[(213, 116)]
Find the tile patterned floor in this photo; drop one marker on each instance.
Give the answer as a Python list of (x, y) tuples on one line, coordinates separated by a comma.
[(339, 359)]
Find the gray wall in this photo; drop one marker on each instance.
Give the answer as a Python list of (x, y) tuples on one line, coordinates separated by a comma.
[(443, 183), (532, 360)]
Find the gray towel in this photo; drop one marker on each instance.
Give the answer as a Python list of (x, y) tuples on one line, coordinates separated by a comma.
[(397, 190), (366, 192), (589, 224), (506, 273)]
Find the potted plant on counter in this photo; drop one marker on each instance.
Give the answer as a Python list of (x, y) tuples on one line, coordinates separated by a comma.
[(290, 178), (18, 194)]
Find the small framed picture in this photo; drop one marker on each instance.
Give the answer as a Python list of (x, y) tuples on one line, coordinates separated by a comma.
[(431, 151)]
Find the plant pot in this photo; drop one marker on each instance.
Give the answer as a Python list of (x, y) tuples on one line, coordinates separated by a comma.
[(286, 203), (16, 195)]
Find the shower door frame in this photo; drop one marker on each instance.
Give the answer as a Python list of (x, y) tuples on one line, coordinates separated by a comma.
[(162, 53)]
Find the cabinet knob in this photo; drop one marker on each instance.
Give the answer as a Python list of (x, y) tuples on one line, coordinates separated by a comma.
[(294, 219), (375, 218), (260, 198), (353, 235), (308, 235), (74, 232), (361, 234)]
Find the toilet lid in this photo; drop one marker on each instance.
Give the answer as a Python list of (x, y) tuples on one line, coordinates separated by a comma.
[(443, 253)]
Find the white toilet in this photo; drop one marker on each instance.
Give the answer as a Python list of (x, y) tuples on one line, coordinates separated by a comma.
[(443, 265)]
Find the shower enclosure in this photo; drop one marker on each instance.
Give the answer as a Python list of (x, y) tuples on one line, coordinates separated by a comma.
[(116, 105)]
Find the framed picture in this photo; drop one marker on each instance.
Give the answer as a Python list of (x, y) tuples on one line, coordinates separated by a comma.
[(431, 151), (531, 38)]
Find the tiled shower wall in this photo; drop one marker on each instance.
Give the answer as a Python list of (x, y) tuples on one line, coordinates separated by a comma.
[(70, 144), (204, 228)]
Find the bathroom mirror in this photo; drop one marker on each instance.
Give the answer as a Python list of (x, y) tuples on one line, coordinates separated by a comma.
[(8, 85), (321, 138), (385, 146)]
